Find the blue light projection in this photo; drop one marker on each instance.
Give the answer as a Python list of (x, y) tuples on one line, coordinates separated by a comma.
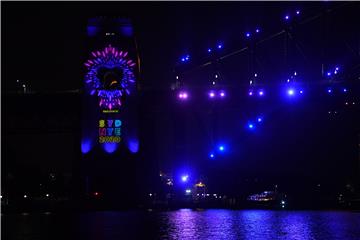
[(110, 147), (109, 74), (133, 145), (86, 146)]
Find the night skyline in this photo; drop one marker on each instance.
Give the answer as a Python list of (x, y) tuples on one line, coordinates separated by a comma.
[(180, 120), (51, 60)]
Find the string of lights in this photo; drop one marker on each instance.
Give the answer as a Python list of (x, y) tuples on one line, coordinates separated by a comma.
[(334, 78)]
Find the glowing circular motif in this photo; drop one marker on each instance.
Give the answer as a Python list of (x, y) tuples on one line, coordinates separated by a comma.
[(110, 75)]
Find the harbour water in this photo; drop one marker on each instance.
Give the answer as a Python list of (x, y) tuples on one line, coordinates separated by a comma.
[(183, 224)]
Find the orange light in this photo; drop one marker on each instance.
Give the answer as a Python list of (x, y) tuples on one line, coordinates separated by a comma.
[(200, 184), (113, 82)]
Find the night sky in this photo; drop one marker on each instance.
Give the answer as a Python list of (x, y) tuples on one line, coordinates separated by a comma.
[(44, 46)]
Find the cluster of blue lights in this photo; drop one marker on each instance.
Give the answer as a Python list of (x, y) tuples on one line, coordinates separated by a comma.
[(249, 34), (291, 91), (332, 90), (185, 58), (287, 17), (259, 92), (220, 149), (218, 46), (332, 72), (252, 124)]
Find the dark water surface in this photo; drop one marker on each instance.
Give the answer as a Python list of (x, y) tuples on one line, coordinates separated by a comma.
[(183, 224)]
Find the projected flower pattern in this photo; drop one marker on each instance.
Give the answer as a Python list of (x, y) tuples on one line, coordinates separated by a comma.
[(110, 75)]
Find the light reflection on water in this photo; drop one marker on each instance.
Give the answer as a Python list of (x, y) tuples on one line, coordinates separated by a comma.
[(185, 224)]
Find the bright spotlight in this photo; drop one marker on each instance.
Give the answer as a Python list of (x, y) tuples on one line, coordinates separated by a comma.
[(261, 93), (211, 155), (328, 74), (251, 93), (209, 50), (344, 90), (211, 94), (287, 17), (259, 119), (183, 95), (291, 92), (219, 46), (221, 148), (222, 94), (185, 178), (247, 35), (251, 126), (301, 91), (297, 12), (257, 30), (329, 90)]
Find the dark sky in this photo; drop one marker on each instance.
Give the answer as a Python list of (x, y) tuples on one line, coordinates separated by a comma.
[(43, 45), (45, 41)]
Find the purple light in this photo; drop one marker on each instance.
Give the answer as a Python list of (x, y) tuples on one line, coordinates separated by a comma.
[(301, 91), (212, 155), (329, 90), (183, 59), (257, 30), (247, 34), (222, 94), (259, 119), (251, 93), (211, 94), (287, 17), (261, 93), (344, 90), (251, 126), (297, 12), (209, 50), (328, 74), (219, 46), (183, 95)]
